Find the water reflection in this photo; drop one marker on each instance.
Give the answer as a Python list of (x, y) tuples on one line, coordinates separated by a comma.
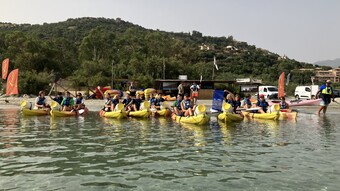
[(8, 131), (226, 130), (327, 128)]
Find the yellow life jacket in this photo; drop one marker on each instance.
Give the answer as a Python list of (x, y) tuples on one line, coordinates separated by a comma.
[(327, 90)]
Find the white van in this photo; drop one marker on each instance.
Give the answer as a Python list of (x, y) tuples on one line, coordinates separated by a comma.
[(268, 91), (306, 92)]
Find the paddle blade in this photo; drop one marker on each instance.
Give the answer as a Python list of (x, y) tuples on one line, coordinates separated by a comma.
[(200, 109), (23, 103), (119, 106), (226, 107), (146, 105), (55, 105)]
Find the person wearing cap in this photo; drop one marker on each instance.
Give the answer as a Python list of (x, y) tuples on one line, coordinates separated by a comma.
[(67, 102), (262, 104), (326, 94), (41, 102), (80, 102)]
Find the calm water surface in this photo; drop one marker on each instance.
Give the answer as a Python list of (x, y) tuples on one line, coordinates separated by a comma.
[(92, 153)]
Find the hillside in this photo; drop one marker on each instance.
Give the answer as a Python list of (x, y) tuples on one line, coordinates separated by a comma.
[(332, 63), (87, 50)]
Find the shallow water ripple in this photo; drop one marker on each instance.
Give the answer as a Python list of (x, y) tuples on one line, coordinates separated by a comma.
[(91, 153)]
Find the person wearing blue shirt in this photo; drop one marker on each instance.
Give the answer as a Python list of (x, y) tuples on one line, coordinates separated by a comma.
[(326, 94), (247, 102), (59, 98), (262, 104)]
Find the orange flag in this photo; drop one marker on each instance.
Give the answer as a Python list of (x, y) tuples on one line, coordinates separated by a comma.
[(5, 64), (281, 92), (12, 83)]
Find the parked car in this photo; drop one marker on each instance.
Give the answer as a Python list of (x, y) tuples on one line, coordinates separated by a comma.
[(306, 92), (268, 91)]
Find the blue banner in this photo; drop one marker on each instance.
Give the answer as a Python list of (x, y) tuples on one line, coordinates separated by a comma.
[(218, 100)]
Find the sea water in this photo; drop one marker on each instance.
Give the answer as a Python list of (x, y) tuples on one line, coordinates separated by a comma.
[(94, 153)]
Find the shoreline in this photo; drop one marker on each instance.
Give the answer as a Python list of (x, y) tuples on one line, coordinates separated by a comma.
[(97, 104)]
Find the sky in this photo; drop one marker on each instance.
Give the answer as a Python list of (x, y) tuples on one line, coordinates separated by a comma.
[(304, 30)]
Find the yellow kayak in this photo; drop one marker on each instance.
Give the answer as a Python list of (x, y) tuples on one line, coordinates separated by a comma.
[(119, 114), (230, 117), (34, 112), (27, 109), (270, 116), (142, 113), (200, 119), (163, 112), (57, 113)]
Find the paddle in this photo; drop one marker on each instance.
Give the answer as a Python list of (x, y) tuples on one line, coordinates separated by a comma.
[(101, 91), (241, 109), (51, 90), (81, 111), (252, 109), (336, 102)]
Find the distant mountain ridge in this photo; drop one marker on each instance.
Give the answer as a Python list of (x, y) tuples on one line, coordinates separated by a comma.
[(332, 63)]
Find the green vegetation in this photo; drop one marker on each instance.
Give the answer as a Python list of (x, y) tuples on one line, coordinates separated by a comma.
[(85, 50)]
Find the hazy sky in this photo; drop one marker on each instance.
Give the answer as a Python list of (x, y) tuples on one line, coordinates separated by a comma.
[(305, 30)]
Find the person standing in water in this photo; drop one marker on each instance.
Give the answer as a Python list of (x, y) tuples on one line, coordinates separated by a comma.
[(326, 94)]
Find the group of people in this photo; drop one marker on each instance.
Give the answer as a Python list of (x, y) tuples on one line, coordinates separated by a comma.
[(326, 93), (261, 104), (67, 103), (193, 90), (183, 105), (132, 102)]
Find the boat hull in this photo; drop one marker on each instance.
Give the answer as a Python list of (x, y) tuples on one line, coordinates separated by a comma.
[(267, 116), (163, 112), (230, 117), (314, 102), (200, 119), (120, 114), (34, 112), (57, 113), (140, 114)]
